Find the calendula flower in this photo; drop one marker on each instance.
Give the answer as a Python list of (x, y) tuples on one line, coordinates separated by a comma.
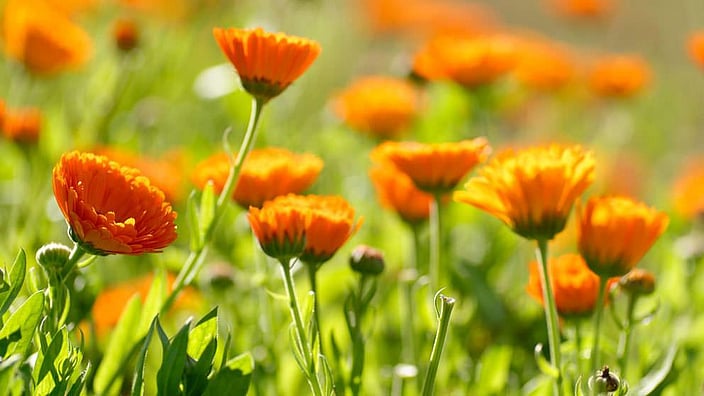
[(267, 63), (688, 191), (379, 106), (21, 125), (266, 174), (575, 286), (531, 190), (125, 34), (280, 228), (619, 76), (397, 192), (110, 208), (695, 45), (543, 65), (615, 233), (43, 38), (435, 167), (583, 8)]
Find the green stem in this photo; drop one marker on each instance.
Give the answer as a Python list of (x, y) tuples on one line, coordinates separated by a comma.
[(578, 344), (358, 339), (626, 335), (446, 305), (550, 313), (300, 329), (596, 359), (317, 331), (434, 243)]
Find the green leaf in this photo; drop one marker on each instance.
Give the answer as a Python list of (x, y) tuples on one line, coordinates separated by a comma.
[(153, 302), (168, 378), (207, 211), (543, 364), (121, 341), (233, 378), (17, 274), (138, 381), (651, 381), (494, 369), (8, 367), (196, 372), (80, 382), (205, 330), (193, 224), (25, 321), (53, 354)]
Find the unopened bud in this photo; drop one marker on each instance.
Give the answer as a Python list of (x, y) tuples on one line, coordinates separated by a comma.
[(53, 256), (638, 281), (126, 34), (367, 260), (604, 381)]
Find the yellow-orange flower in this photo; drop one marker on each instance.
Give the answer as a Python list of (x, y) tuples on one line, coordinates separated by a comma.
[(280, 228), (43, 38), (695, 45), (688, 191), (615, 233), (543, 65), (380, 106), (532, 190), (21, 125), (434, 167), (575, 287), (619, 76), (266, 174), (583, 8), (267, 63), (111, 208), (396, 191)]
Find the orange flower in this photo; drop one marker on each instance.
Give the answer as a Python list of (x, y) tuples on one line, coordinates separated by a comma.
[(583, 8), (688, 191), (615, 233), (380, 106), (695, 46), (544, 65), (396, 191), (21, 125), (532, 190), (619, 76), (267, 63), (575, 286), (469, 61), (125, 33), (435, 167), (266, 174), (111, 208), (280, 228), (43, 38)]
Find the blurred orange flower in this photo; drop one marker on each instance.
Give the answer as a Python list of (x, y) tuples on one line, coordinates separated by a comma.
[(125, 34), (111, 208), (21, 125), (434, 167), (266, 174), (532, 190), (280, 228), (267, 63), (543, 65), (615, 233), (619, 76), (575, 286), (583, 8), (380, 106), (470, 61), (43, 38), (688, 191), (695, 45), (396, 191), (2, 112)]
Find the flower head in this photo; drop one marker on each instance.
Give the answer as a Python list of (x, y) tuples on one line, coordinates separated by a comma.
[(43, 38), (266, 174), (583, 8), (543, 65), (380, 106), (531, 190), (21, 125), (575, 286), (280, 228), (688, 191), (111, 208), (396, 191), (619, 76), (695, 45), (615, 233), (435, 167), (267, 63)]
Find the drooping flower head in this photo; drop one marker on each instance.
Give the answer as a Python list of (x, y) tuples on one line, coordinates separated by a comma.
[(266, 174), (615, 233), (396, 191), (110, 208), (619, 76), (531, 190), (280, 228), (267, 63), (43, 38), (575, 286), (695, 46), (435, 167), (379, 106), (21, 125)]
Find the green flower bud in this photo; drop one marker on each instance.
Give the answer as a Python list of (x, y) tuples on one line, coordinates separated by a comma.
[(604, 381), (53, 256)]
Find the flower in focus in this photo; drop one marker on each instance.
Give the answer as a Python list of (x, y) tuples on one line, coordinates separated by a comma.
[(531, 190), (396, 191), (267, 63), (615, 233), (43, 38), (110, 208), (619, 76), (280, 228), (688, 191), (695, 45), (575, 286), (380, 106), (21, 125), (266, 174), (543, 65), (434, 167), (125, 33), (638, 282), (583, 8)]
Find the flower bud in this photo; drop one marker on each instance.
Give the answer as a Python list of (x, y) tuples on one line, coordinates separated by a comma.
[(53, 256), (126, 34), (367, 260), (638, 281), (604, 381)]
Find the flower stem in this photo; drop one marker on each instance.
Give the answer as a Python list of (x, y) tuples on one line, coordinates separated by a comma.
[(550, 313), (446, 306), (317, 331), (597, 323), (578, 344), (300, 330), (626, 335), (435, 243)]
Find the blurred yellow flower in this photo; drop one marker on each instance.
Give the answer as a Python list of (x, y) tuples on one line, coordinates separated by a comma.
[(615, 233), (531, 190), (695, 45), (619, 76)]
